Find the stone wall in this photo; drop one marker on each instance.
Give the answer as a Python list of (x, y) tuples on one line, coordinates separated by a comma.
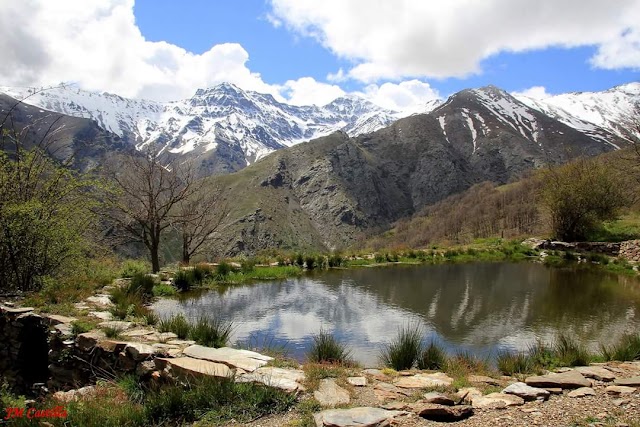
[(630, 250)]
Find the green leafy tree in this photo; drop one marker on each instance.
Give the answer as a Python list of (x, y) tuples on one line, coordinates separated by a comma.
[(582, 194)]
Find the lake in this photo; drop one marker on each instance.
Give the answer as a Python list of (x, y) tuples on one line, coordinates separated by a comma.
[(477, 307)]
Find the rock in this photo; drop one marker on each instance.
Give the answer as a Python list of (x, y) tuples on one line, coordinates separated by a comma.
[(631, 382), (439, 398), (483, 379), (582, 392), (115, 324), (620, 389), (435, 412), (112, 346), (103, 315), (424, 380), (554, 390), (496, 400), (397, 406), (357, 381), (564, 380), (16, 311), (376, 373), (126, 363), (181, 342), (596, 372), (55, 319), (138, 351), (467, 394), (285, 379), (526, 392), (386, 391), (74, 395), (361, 417), (102, 300), (244, 359), (534, 243), (65, 329), (620, 402), (88, 340), (137, 333), (330, 394), (145, 368), (189, 367)]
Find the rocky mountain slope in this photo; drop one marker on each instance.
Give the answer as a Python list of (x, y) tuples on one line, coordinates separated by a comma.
[(224, 127), (328, 192)]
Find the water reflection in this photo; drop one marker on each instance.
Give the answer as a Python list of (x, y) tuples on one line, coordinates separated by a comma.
[(477, 307)]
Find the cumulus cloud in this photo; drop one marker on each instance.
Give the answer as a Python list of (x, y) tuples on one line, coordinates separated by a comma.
[(535, 92), (404, 38), (405, 96), (97, 44), (308, 91)]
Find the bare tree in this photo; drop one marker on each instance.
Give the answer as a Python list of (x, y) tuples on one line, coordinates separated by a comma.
[(198, 217), (146, 195)]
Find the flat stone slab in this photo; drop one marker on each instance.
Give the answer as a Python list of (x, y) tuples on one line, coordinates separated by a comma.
[(56, 319), (116, 324), (100, 301), (102, 315), (360, 417), (286, 379), (467, 394), (439, 398), (582, 392), (16, 311), (619, 389), (357, 381), (330, 394), (138, 333), (138, 351), (244, 359), (631, 382), (181, 343), (424, 380), (526, 392), (376, 373), (496, 400), (112, 346), (188, 366), (88, 340), (596, 372), (442, 413), (483, 379), (569, 379), (386, 391), (65, 329)]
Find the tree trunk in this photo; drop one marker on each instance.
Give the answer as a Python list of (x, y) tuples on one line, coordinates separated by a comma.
[(155, 258)]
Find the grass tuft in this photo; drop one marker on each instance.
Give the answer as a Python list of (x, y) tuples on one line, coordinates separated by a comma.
[(327, 349), (432, 357), (402, 353), (627, 349), (211, 332), (510, 363)]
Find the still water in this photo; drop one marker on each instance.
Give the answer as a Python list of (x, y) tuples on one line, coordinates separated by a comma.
[(477, 307)]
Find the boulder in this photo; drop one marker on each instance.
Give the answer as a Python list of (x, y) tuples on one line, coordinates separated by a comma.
[(357, 381), (526, 392), (435, 412), (496, 400), (596, 372), (101, 300), (361, 417), (115, 324), (620, 389), (145, 368), (112, 346), (439, 398), (138, 351), (244, 359), (424, 380), (88, 340), (630, 382), (56, 319), (582, 392), (102, 315), (467, 394), (330, 394), (565, 380), (74, 395), (285, 379)]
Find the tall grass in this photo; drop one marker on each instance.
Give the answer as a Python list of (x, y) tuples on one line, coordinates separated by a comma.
[(627, 349), (570, 352), (177, 324), (403, 351), (513, 363), (326, 348), (432, 357), (205, 331)]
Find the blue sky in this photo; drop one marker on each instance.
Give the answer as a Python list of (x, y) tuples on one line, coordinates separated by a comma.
[(397, 53)]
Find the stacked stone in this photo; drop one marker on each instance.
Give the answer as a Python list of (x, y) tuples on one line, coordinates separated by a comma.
[(630, 250)]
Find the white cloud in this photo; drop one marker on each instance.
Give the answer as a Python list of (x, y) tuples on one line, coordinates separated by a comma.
[(404, 38), (97, 44), (535, 92), (405, 96), (308, 91)]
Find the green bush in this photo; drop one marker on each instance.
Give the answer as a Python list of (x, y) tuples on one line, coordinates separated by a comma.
[(380, 258), (201, 272), (211, 332), (132, 267), (570, 352), (183, 280), (164, 290), (248, 265), (326, 348), (310, 262), (510, 363), (300, 260), (335, 260), (141, 284), (403, 351), (177, 324), (80, 327), (432, 357), (223, 269)]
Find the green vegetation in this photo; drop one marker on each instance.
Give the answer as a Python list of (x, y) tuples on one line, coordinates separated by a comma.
[(326, 349), (211, 332), (432, 357), (81, 326), (130, 300), (132, 267), (402, 353), (112, 332), (514, 363), (628, 348)]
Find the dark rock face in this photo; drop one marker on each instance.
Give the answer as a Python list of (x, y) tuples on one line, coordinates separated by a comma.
[(343, 187)]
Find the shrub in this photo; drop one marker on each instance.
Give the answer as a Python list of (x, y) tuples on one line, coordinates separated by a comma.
[(223, 269), (211, 332), (300, 260), (627, 349), (335, 260), (131, 267), (201, 272), (510, 363), (183, 280), (310, 262), (326, 348), (112, 331), (402, 352), (177, 324), (80, 327), (248, 265), (542, 356), (141, 284), (570, 352), (380, 258), (465, 362), (432, 357), (164, 290)]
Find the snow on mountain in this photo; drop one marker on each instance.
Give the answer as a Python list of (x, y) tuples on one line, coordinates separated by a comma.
[(616, 110), (252, 122)]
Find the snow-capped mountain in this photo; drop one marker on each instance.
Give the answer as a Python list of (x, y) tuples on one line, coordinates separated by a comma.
[(616, 110), (223, 121)]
